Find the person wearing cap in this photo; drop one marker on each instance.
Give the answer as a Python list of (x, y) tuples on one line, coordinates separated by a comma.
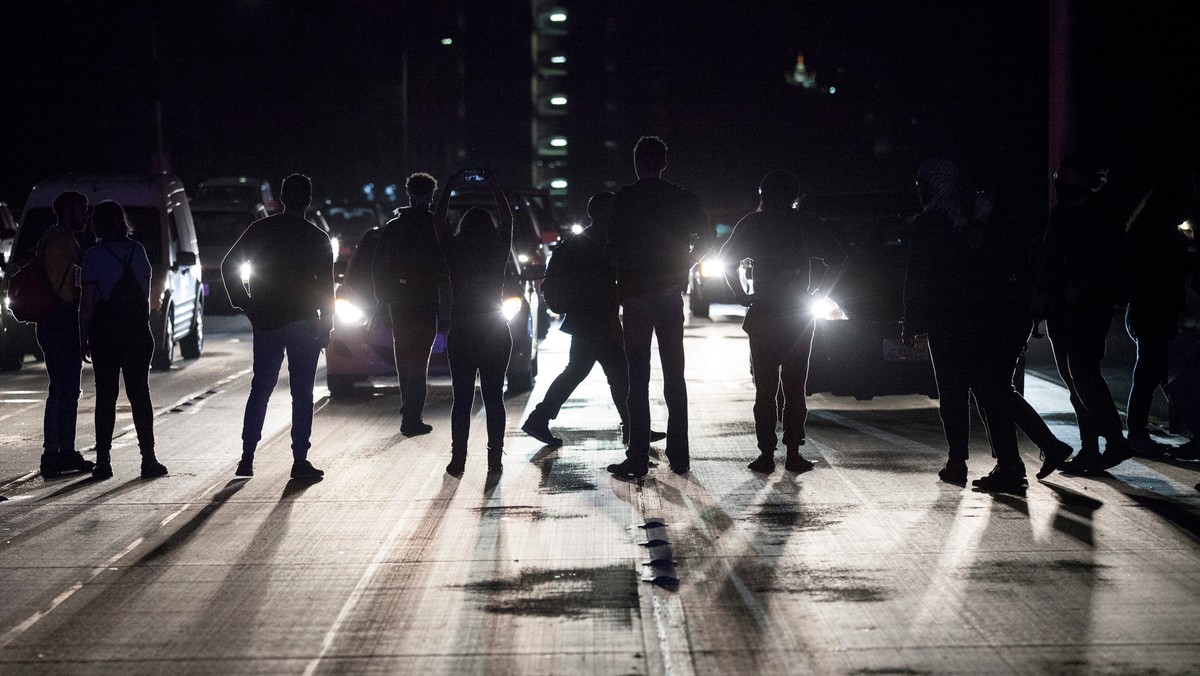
[(782, 242), (58, 336)]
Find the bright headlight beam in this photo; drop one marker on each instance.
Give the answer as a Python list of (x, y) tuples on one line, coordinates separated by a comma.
[(348, 312), (511, 308), (245, 271), (826, 308), (712, 268)]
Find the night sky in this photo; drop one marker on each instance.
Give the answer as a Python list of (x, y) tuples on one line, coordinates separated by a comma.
[(265, 87)]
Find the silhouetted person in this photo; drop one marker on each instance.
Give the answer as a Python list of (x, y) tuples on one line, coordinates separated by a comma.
[(659, 231), (960, 290), (406, 272), (1076, 293), (114, 328), (58, 336), (782, 242), (477, 255), (1158, 267), (280, 272), (581, 265)]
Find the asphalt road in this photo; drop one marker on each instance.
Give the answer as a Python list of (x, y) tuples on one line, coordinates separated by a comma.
[(866, 565)]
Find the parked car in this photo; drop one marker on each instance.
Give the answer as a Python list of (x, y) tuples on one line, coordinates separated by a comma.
[(218, 226), (158, 209), (348, 222), (857, 349), (239, 189), (706, 280), (360, 347), (8, 230)]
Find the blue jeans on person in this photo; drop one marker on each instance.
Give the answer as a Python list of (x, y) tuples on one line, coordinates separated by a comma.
[(660, 313), (58, 337), (301, 341)]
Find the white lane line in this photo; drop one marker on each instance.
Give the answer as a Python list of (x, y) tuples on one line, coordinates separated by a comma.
[(33, 619)]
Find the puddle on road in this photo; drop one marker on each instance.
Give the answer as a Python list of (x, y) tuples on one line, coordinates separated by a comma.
[(565, 476), (1036, 573), (608, 593), (895, 463), (826, 585), (523, 512), (799, 517)]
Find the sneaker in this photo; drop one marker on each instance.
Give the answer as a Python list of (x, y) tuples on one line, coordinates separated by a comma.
[(540, 430), (1148, 448), (1054, 458), (458, 464), (244, 468), (102, 470), (955, 472), (152, 469), (797, 464), (1085, 462), (305, 470), (627, 470), (415, 429), (764, 464), (73, 461), (1002, 481)]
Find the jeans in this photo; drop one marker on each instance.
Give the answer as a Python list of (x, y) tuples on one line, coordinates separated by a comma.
[(478, 347), (414, 327), (58, 337), (301, 341), (779, 352), (976, 357), (656, 312), (1149, 371), (116, 351), (587, 348), (1078, 340)]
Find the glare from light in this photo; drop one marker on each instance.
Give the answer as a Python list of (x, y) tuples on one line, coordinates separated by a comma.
[(522, 258), (245, 271), (833, 90), (712, 268), (558, 100), (576, 228), (1187, 229), (558, 17), (826, 308), (558, 58), (558, 142), (447, 41), (242, 179), (511, 308), (558, 183), (348, 313), (334, 245)]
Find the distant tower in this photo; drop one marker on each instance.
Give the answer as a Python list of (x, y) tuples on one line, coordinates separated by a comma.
[(801, 76)]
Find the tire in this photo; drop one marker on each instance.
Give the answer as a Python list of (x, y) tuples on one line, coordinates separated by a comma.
[(164, 341), (192, 344), (698, 306), (341, 386)]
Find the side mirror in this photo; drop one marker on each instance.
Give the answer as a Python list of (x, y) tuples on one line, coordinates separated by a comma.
[(185, 258)]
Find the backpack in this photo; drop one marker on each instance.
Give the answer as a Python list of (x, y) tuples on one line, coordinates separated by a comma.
[(126, 304), (562, 293), (30, 296)]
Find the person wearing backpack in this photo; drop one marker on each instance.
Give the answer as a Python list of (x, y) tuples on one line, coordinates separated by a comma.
[(58, 253), (114, 331)]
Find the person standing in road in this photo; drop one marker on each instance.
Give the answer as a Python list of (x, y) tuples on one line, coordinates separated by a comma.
[(591, 316), (782, 242), (406, 272), (58, 336), (1075, 292), (962, 291), (477, 256), (114, 329), (280, 272), (659, 231)]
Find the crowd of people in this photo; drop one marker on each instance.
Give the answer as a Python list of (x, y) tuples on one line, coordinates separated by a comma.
[(977, 285)]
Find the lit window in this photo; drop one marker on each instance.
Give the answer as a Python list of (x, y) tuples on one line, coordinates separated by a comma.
[(558, 58), (558, 17), (447, 41), (558, 100), (558, 142), (558, 183)]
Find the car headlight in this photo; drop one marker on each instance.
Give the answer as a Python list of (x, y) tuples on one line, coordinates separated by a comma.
[(245, 271), (348, 313), (511, 308), (826, 308), (336, 246), (713, 268)]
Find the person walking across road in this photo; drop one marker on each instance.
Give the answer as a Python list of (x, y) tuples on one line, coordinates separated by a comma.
[(406, 272), (280, 272), (477, 256), (58, 335), (659, 231), (583, 287), (782, 242), (114, 330)]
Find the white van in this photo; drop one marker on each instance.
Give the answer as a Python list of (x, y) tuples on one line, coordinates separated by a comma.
[(157, 207)]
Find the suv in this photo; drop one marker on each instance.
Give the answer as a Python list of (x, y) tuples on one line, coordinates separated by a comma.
[(857, 349), (240, 189), (157, 207), (360, 347)]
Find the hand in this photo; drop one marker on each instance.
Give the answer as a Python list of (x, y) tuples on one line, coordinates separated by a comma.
[(85, 350), (745, 299)]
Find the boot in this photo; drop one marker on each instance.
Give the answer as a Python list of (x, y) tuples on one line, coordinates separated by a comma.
[(151, 467), (495, 466), (795, 462), (103, 468), (538, 427), (458, 463)]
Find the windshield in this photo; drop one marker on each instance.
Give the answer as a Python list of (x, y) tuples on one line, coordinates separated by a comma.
[(217, 230), (146, 223), (229, 193)]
